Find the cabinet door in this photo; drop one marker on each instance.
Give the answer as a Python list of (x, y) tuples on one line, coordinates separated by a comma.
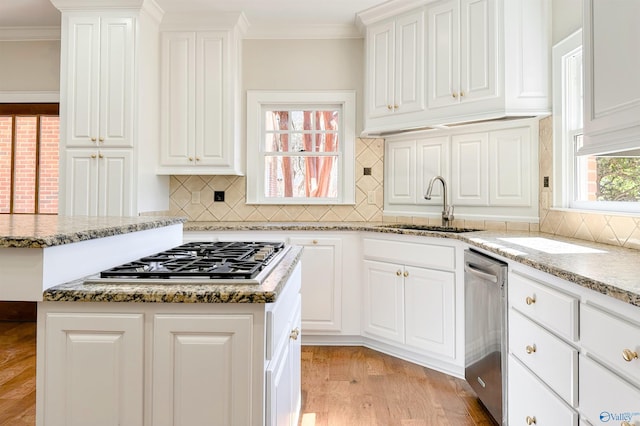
[(93, 369), (177, 98), (430, 310), (80, 89), (114, 182), (202, 370), (381, 68), (116, 83), (443, 69), (383, 300), (212, 66), (477, 49), (409, 69), (612, 60), (432, 160), (510, 167), (321, 283), (470, 162), (81, 182), (400, 166)]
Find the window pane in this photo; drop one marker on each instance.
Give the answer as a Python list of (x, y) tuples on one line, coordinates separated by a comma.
[(5, 163), (327, 120), (48, 183), (24, 198), (301, 177), (276, 120)]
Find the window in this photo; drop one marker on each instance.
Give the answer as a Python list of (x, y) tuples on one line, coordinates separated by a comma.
[(300, 147), (29, 158), (590, 182)]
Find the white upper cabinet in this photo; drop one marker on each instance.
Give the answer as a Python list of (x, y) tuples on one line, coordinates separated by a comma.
[(483, 59), (461, 52), (97, 81), (200, 102), (612, 87), (395, 71)]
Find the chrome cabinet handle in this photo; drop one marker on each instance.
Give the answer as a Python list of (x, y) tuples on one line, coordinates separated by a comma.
[(629, 355)]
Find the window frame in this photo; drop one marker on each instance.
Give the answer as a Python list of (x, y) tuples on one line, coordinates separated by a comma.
[(565, 156), (260, 100)]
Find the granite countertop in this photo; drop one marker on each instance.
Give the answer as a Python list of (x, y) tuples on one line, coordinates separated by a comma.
[(38, 231), (176, 292), (610, 270)]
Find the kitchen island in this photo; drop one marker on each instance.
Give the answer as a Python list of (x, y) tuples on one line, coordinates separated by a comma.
[(171, 354), (41, 251)]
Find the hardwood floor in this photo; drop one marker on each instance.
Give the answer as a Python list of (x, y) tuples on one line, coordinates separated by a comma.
[(341, 386), (354, 386), (17, 373)]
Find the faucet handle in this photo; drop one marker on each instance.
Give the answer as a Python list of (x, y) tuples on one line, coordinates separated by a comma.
[(448, 213)]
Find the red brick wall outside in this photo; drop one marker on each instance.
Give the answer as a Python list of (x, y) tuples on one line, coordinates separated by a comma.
[(24, 173), (5, 163), (48, 186)]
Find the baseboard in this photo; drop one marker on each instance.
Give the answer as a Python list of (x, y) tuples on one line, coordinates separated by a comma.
[(18, 311)]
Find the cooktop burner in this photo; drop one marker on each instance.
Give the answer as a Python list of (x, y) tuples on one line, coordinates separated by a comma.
[(204, 260)]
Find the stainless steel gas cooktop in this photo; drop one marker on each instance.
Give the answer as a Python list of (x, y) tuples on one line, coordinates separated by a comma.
[(240, 262)]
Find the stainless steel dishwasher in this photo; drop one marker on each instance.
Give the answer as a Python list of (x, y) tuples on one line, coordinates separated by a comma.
[(485, 282)]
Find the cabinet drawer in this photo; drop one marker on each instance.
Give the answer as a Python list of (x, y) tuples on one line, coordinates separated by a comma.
[(549, 307), (606, 397), (427, 255), (529, 398), (606, 336), (551, 359)]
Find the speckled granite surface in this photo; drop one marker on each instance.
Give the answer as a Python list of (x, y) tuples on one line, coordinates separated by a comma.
[(37, 231), (266, 292), (614, 272)]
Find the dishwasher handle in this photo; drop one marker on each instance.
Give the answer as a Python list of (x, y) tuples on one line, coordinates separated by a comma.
[(480, 273)]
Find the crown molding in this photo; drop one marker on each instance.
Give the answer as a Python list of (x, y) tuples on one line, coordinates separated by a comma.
[(29, 33), (204, 20), (387, 10), (16, 97)]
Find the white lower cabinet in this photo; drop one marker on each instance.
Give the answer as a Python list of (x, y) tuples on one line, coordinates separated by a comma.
[(406, 306), (92, 369), (531, 403), (170, 364), (200, 369)]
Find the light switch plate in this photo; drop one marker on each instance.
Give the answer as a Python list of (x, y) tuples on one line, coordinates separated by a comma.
[(371, 197)]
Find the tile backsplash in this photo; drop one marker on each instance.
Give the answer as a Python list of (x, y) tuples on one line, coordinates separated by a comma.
[(618, 230), (369, 154)]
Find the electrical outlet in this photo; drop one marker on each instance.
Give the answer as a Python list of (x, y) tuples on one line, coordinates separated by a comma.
[(545, 181), (367, 171), (371, 197), (218, 195), (195, 197)]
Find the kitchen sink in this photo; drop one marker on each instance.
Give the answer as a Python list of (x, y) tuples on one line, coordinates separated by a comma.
[(427, 228)]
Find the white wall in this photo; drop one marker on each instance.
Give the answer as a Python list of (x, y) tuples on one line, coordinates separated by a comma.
[(332, 64), (566, 17), (30, 65)]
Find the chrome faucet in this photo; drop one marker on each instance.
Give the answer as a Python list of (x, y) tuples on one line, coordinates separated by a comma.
[(447, 210)]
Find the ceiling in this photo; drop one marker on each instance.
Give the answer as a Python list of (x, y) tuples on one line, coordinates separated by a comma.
[(266, 16)]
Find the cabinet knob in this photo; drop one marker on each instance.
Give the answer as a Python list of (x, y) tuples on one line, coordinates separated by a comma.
[(455, 95), (461, 94), (531, 420), (197, 158), (625, 423), (406, 274), (629, 355), (396, 107), (101, 139), (314, 242), (190, 158), (399, 273), (530, 349), (93, 139), (93, 156), (294, 334), (100, 156), (530, 300), (389, 107)]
